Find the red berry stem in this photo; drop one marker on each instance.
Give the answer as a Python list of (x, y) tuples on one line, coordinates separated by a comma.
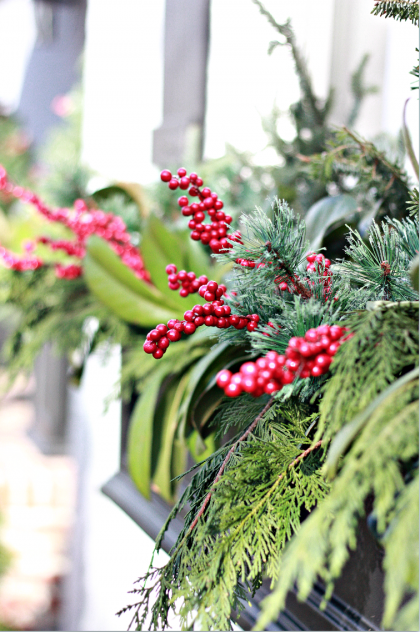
[(214, 234), (310, 356), (83, 222), (214, 313)]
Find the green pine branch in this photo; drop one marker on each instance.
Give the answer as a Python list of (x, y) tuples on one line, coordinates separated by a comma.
[(401, 10)]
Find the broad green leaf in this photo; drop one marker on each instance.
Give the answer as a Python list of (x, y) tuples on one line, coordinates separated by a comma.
[(163, 474), (199, 448), (140, 434), (347, 434), (156, 260), (103, 255), (325, 213), (197, 259), (124, 302), (168, 242)]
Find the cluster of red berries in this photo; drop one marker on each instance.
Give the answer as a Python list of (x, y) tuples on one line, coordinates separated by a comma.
[(319, 265), (215, 234), (21, 264), (68, 272), (211, 314), (305, 357), (187, 281), (83, 222), (247, 263)]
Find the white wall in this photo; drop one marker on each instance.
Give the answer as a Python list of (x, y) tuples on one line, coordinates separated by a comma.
[(123, 76)]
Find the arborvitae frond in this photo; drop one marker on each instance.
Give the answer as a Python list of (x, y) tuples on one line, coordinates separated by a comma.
[(384, 344), (401, 562), (401, 10), (371, 466), (256, 506), (382, 267)]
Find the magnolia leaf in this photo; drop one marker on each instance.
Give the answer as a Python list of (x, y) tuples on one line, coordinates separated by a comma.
[(325, 213), (199, 448), (347, 434), (156, 260), (163, 473), (168, 242), (140, 433)]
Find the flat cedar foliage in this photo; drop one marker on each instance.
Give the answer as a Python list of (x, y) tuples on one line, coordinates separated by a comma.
[(282, 498)]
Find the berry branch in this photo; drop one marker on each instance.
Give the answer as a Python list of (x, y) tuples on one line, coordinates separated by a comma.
[(83, 222), (215, 235), (309, 356)]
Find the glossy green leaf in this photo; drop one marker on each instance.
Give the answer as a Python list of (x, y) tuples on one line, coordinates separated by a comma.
[(201, 449), (99, 250), (140, 434), (168, 242), (124, 302), (156, 260), (163, 473), (198, 260), (327, 212)]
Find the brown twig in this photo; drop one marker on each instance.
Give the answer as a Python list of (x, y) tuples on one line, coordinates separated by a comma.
[(302, 290), (222, 468)]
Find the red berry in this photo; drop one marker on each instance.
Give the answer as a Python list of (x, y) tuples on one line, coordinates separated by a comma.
[(162, 329), (184, 293), (248, 383), (182, 275), (305, 373), (206, 192), (223, 378), (174, 286), (287, 377), (187, 211), (171, 269), (149, 347), (203, 279), (193, 176), (163, 343), (226, 310), (195, 235), (208, 202), (249, 368), (198, 321), (271, 387), (171, 323), (198, 309), (218, 205), (311, 335), (166, 175), (220, 216), (305, 350), (319, 258), (193, 191), (212, 286), (198, 181), (327, 263), (333, 348), (222, 322), (189, 316), (209, 296), (209, 321), (316, 371), (154, 334), (173, 184), (324, 330), (310, 257), (219, 311), (233, 390), (252, 326), (208, 309), (215, 245), (179, 326), (183, 200), (205, 238), (184, 183), (182, 172), (323, 361), (336, 332), (284, 287), (189, 328), (158, 353), (199, 217)]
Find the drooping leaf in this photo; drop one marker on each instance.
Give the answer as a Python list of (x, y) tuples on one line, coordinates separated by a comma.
[(325, 213), (140, 434)]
